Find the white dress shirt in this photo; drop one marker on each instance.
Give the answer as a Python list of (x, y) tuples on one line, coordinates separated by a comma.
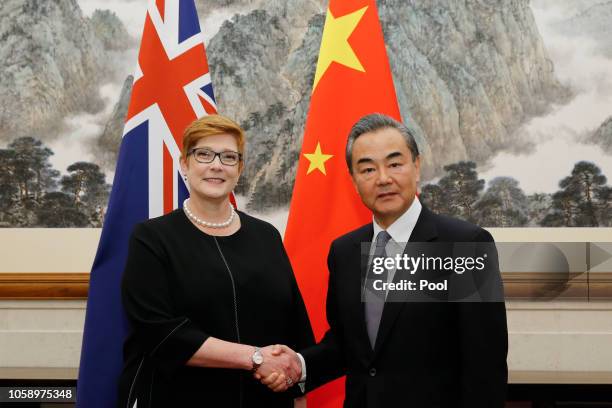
[(400, 232)]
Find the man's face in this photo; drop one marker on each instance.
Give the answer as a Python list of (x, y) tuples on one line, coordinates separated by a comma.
[(384, 174)]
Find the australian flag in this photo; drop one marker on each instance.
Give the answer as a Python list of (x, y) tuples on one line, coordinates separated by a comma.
[(172, 87)]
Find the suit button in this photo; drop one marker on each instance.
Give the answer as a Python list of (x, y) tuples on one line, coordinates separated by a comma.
[(372, 372)]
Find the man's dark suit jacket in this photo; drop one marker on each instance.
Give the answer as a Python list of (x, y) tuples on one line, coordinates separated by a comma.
[(426, 354)]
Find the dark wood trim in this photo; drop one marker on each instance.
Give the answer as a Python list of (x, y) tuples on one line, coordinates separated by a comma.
[(517, 285), (548, 286), (545, 286), (600, 285), (44, 286)]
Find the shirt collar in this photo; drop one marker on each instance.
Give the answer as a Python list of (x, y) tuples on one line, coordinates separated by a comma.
[(402, 228)]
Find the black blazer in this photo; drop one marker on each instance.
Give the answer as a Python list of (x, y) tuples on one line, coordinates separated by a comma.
[(426, 354), (177, 292)]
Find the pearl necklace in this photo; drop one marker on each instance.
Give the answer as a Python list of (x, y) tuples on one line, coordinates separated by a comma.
[(195, 219)]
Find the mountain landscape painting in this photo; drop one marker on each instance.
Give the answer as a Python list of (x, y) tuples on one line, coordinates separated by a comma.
[(510, 102)]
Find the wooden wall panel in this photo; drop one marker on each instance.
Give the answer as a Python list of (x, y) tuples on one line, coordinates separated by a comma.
[(517, 285), (44, 286)]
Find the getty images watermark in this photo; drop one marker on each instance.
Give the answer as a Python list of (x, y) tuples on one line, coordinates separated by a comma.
[(432, 272)]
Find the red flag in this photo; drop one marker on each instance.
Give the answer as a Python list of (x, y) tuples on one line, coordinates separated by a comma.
[(353, 78)]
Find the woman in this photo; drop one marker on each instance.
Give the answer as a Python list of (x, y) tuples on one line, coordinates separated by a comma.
[(204, 286)]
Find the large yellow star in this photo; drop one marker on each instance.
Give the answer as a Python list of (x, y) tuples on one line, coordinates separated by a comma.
[(334, 44), (317, 160)]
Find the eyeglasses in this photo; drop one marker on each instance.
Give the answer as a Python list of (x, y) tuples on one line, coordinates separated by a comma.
[(205, 155)]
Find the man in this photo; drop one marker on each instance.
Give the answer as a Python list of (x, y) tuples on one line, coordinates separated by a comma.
[(403, 354)]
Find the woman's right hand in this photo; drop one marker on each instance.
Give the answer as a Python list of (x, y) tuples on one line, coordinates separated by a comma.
[(275, 381), (280, 369)]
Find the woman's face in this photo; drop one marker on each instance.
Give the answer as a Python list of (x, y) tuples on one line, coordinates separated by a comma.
[(214, 180)]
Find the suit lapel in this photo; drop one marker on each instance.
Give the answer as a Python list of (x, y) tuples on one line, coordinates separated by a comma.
[(363, 236), (424, 231)]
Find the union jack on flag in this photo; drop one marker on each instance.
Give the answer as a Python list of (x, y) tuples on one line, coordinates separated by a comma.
[(172, 87)]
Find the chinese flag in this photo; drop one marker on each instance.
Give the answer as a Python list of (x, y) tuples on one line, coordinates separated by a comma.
[(352, 79)]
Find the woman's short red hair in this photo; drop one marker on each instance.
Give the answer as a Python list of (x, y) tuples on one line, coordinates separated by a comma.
[(209, 126)]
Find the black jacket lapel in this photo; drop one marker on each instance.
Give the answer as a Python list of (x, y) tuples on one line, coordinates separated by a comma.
[(362, 236)]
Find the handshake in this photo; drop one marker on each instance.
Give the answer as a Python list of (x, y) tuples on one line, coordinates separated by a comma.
[(281, 368)]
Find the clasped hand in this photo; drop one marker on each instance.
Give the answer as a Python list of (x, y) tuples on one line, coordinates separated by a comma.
[(281, 368)]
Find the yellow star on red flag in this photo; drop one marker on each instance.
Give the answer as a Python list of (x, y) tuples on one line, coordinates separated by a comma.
[(335, 45), (352, 78), (317, 160)]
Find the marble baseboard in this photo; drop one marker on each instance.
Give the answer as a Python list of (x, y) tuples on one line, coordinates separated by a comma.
[(548, 338), (41, 333)]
